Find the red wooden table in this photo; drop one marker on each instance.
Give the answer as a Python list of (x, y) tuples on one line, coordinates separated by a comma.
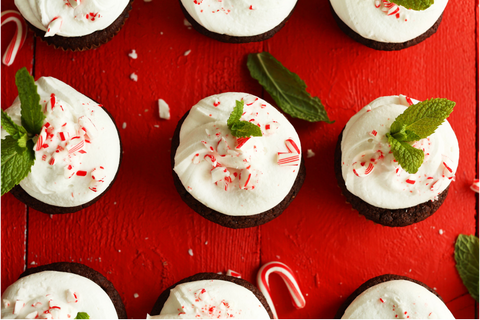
[(140, 232)]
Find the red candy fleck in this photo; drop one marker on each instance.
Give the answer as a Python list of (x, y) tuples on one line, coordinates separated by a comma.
[(81, 173), (410, 181)]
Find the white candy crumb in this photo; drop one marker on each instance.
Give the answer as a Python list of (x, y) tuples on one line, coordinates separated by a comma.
[(278, 257), (440, 231), (134, 77), (161, 33), (306, 294), (119, 250), (114, 203), (220, 272), (51, 216), (187, 52), (206, 242), (190, 252), (434, 288), (410, 270), (124, 125), (133, 54), (156, 126), (32, 263), (163, 109), (135, 295), (186, 23), (310, 153)]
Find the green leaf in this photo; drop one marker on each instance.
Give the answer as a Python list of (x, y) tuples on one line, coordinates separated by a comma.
[(82, 315), (421, 120), (466, 256), (236, 113), (286, 88), (11, 127), (245, 129), (15, 166), (32, 115), (414, 4), (241, 129), (408, 157)]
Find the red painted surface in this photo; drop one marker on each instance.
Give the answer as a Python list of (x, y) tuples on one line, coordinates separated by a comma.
[(139, 233)]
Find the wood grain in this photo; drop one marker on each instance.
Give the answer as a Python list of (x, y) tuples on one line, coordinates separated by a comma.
[(139, 234)]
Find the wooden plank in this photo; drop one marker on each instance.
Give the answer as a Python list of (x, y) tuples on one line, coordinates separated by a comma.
[(14, 213)]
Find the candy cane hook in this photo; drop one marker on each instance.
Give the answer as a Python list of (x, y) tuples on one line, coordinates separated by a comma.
[(18, 39), (287, 275)]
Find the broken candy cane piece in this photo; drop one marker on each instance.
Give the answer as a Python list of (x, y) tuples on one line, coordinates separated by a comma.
[(72, 297), (291, 158), (88, 127), (241, 142), (246, 179), (235, 274), (363, 169), (219, 174), (222, 147), (18, 38), (406, 101), (163, 109), (287, 275), (19, 304), (75, 144), (98, 174), (53, 27), (68, 171), (271, 127)]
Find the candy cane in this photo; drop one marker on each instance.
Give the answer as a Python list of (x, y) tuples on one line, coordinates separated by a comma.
[(287, 275), (18, 38)]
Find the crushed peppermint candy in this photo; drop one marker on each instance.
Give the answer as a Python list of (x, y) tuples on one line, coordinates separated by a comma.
[(310, 153), (134, 77), (133, 54), (235, 274), (163, 109), (190, 252), (136, 295), (186, 53), (475, 186)]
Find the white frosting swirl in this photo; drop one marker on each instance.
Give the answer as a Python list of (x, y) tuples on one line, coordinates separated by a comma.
[(74, 18), (369, 21), (388, 185), (56, 295), (239, 18), (211, 299), (93, 166), (397, 299), (270, 182)]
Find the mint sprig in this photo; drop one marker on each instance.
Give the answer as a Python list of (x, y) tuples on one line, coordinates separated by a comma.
[(286, 88), (82, 315), (241, 129), (414, 4), (419, 121), (17, 155), (466, 256)]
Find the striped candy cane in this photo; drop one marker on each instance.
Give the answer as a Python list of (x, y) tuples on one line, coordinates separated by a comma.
[(475, 186), (19, 37), (287, 275)]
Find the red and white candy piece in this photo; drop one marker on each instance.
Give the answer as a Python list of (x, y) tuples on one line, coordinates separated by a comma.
[(291, 158), (241, 142), (271, 127), (475, 186), (42, 138), (18, 38), (72, 297), (406, 101), (53, 27), (363, 169), (246, 179), (222, 147), (76, 144), (235, 274), (6, 303), (88, 127), (99, 174), (68, 171), (19, 304), (448, 168), (287, 275)]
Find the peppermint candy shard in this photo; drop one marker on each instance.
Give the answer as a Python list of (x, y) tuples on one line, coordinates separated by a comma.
[(235, 274)]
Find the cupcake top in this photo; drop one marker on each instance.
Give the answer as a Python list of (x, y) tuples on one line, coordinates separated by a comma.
[(77, 153), (71, 18), (383, 21), (236, 176), (397, 299), (370, 170), (211, 299), (56, 295), (239, 18)]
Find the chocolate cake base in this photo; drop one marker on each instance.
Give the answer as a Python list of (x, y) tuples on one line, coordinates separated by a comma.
[(386, 217), (89, 273), (233, 39), (373, 282), (384, 46), (89, 41), (234, 222), (157, 308), (19, 193)]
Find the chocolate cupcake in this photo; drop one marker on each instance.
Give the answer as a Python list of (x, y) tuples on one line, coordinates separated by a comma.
[(236, 182), (372, 180), (73, 24), (77, 153), (384, 25), (209, 296), (237, 21), (394, 297), (61, 291)]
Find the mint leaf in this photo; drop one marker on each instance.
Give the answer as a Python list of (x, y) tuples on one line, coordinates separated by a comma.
[(82, 315), (241, 129), (32, 115), (11, 127), (236, 113), (408, 157), (421, 120), (15, 166), (414, 4), (466, 256), (286, 88)]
